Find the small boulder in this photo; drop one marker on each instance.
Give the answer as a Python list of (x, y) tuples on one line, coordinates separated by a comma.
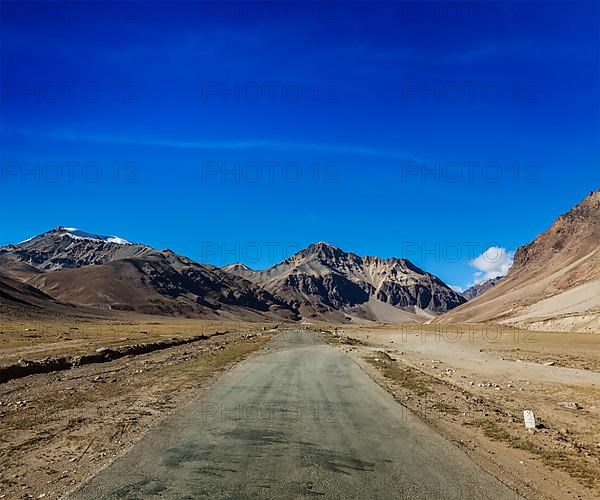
[(570, 405)]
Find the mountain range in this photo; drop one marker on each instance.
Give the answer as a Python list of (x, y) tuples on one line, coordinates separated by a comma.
[(553, 284), (321, 282)]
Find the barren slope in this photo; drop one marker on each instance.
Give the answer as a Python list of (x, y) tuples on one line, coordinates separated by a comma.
[(554, 282), (18, 300), (162, 283)]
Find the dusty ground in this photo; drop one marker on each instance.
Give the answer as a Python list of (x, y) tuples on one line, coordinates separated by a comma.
[(473, 383), (470, 382), (57, 429), (36, 340)]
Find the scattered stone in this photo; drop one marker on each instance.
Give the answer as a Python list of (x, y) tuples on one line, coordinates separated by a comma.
[(550, 363), (570, 405)]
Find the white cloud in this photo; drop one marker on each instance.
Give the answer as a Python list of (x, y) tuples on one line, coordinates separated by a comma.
[(457, 288), (495, 261)]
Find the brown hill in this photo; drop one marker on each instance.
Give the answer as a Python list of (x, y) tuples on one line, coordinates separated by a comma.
[(554, 283), (18, 299), (166, 284)]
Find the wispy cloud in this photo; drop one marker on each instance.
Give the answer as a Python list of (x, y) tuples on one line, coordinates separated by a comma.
[(283, 145)]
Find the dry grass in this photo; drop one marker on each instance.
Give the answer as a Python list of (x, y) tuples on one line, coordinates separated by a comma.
[(36, 340), (203, 366), (552, 458), (446, 408), (494, 431), (329, 337), (401, 375)]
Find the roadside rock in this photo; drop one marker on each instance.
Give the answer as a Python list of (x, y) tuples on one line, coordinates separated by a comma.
[(571, 405)]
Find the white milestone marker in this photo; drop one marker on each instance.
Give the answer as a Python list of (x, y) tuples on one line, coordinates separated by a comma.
[(529, 419)]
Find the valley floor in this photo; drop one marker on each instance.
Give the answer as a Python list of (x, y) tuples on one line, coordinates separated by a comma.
[(58, 429), (472, 383), (469, 382)]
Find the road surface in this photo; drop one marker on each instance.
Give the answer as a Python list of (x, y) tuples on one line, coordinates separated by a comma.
[(298, 420)]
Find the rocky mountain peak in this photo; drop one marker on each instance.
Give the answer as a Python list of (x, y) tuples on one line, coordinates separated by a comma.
[(322, 279), (237, 266), (322, 250), (64, 248), (479, 288)]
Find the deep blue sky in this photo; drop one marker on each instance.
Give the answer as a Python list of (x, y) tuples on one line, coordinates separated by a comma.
[(371, 129)]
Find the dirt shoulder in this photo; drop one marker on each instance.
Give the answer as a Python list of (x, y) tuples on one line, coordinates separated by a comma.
[(480, 409), (58, 429)]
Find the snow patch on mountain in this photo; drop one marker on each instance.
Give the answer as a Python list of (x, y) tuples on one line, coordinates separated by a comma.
[(77, 234)]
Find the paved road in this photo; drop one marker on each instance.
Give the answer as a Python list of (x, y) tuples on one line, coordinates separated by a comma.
[(301, 419)]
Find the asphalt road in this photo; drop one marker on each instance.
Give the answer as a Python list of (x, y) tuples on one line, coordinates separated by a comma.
[(300, 419)]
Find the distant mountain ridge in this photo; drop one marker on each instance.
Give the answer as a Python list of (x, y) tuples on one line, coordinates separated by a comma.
[(320, 282), (479, 288), (323, 281), (105, 273)]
